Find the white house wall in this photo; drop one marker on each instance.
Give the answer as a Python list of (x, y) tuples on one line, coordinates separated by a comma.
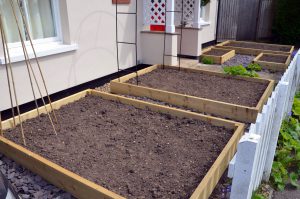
[(91, 25)]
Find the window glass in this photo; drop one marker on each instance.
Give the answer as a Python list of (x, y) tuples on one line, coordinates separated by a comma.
[(38, 15)]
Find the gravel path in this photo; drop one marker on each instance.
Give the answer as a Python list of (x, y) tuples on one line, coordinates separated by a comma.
[(27, 184), (238, 59)]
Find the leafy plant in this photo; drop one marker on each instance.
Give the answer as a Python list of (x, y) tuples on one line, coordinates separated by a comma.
[(204, 2), (258, 196), (254, 67), (296, 106), (286, 167), (207, 60), (239, 70)]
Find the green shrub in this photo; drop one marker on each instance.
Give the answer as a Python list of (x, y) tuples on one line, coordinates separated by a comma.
[(207, 60), (286, 26), (286, 166), (254, 67), (239, 70)]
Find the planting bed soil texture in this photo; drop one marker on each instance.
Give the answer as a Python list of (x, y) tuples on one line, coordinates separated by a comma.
[(135, 153), (273, 58), (225, 89), (259, 46), (216, 52)]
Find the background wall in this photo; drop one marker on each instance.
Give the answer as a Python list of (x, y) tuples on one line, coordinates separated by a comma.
[(92, 27)]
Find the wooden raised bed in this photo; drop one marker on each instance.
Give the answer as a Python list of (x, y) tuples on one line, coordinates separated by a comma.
[(203, 105), (273, 62), (218, 55), (254, 48), (82, 188)]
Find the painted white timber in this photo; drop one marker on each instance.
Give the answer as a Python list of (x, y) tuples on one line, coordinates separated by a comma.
[(243, 172), (170, 22)]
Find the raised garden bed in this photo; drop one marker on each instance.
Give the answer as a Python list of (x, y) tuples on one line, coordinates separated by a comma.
[(253, 48), (122, 146), (273, 62), (219, 56), (218, 94)]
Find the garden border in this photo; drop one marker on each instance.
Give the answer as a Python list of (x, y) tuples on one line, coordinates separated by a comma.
[(273, 66), (82, 188), (253, 51), (203, 105), (218, 59)]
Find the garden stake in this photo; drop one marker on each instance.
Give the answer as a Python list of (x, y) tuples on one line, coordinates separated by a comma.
[(4, 40), (8, 81), (1, 130), (28, 63), (36, 58)]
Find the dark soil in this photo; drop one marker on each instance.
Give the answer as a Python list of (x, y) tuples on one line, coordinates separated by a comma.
[(216, 52), (135, 153), (225, 89), (260, 46), (273, 58)]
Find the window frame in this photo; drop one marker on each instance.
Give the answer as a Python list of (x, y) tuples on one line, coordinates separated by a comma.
[(57, 26)]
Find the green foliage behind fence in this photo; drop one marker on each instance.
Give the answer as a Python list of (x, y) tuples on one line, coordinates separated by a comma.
[(286, 26)]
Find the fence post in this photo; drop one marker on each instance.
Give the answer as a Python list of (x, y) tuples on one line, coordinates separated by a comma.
[(244, 167), (278, 117)]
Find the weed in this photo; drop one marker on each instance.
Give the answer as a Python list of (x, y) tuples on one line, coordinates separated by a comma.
[(239, 70), (286, 167), (254, 67), (207, 60)]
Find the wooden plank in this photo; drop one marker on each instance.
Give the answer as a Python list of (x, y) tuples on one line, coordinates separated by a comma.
[(215, 173), (273, 66), (82, 188), (140, 72), (264, 98), (216, 108), (252, 51), (33, 114), (203, 105), (167, 110), (60, 177), (228, 54)]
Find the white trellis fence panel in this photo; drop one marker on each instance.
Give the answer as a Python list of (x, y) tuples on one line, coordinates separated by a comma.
[(256, 150), (187, 16), (155, 10)]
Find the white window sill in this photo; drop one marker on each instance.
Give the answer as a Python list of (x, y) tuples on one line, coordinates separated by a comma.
[(42, 50), (204, 23)]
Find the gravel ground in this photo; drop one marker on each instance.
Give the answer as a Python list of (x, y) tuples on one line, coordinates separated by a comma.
[(245, 60), (27, 184)]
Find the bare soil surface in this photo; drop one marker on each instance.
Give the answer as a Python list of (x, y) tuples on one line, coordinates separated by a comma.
[(260, 46), (273, 58), (225, 89), (133, 152), (216, 52)]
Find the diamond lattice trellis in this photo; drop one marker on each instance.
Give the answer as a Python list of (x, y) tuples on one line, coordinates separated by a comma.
[(188, 11), (154, 11)]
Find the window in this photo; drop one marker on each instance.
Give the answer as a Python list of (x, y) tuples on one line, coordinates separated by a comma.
[(41, 17)]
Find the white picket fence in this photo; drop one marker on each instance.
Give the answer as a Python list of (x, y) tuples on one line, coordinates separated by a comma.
[(253, 161)]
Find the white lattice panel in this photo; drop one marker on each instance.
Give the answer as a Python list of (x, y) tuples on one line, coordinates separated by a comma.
[(154, 12), (188, 11)]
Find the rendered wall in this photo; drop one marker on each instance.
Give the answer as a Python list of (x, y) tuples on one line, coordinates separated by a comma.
[(91, 25)]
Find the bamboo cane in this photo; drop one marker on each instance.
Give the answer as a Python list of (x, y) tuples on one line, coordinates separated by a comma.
[(9, 83), (36, 58), (1, 129), (4, 40), (30, 69)]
